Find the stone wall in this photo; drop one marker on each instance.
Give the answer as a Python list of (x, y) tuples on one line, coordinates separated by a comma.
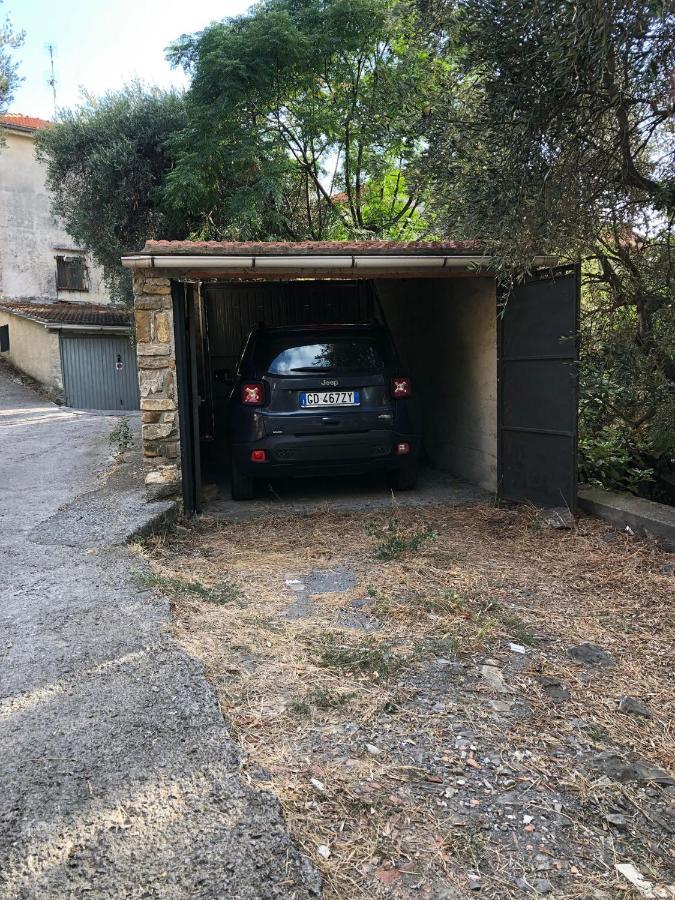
[(157, 380)]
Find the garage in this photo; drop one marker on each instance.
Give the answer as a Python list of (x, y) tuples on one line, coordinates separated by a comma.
[(494, 376), (99, 372), (82, 353)]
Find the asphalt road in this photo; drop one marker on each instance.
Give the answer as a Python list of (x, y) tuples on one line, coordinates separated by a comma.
[(117, 775)]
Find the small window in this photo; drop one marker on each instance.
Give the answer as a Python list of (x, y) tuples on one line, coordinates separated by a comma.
[(71, 274)]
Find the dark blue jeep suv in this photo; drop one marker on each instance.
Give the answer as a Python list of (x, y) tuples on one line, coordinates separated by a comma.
[(319, 400)]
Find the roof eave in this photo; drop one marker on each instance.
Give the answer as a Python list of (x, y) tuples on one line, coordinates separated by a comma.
[(358, 262), (52, 325), (20, 129), (89, 329)]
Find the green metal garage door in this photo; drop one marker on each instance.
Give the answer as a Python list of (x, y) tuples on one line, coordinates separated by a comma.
[(99, 372)]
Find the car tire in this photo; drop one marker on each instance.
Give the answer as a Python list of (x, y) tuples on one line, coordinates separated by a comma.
[(405, 479), (241, 486)]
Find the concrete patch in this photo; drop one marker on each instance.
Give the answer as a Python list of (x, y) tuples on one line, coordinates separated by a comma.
[(319, 581), (330, 581)]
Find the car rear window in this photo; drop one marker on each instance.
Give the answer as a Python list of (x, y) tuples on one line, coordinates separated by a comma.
[(290, 355)]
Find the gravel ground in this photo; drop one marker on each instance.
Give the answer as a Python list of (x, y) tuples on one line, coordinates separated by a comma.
[(450, 702), (118, 777)]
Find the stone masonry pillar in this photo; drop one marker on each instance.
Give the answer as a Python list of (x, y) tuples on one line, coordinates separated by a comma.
[(156, 354)]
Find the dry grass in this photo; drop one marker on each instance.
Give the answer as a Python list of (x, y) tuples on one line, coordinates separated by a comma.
[(305, 696)]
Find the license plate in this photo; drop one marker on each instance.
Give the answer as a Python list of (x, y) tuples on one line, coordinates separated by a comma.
[(330, 398)]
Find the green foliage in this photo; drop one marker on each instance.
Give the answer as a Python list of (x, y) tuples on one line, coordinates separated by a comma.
[(9, 70), (627, 400), (556, 133), (106, 164), (554, 115), (394, 539), (304, 122), (120, 436), (605, 462), (516, 628)]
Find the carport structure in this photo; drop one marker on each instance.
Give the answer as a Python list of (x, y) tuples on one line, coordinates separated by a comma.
[(496, 376)]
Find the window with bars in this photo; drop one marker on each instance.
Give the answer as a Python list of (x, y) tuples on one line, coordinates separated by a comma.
[(71, 274)]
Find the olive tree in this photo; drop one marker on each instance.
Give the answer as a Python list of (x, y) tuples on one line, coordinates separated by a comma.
[(106, 163)]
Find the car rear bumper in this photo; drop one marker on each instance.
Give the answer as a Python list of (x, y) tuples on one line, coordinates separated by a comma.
[(325, 454)]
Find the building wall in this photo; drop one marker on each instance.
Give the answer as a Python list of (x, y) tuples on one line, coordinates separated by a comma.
[(34, 350), (446, 333), (30, 237)]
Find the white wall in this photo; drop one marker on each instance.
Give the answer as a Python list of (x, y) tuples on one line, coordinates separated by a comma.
[(34, 350), (445, 331), (30, 237)]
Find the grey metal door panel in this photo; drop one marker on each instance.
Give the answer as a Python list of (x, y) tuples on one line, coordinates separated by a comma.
[(538, 397), (99, 372)]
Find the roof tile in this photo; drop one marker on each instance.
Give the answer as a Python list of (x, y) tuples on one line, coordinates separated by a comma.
[(310, 248), (64, 313), (17, 120)]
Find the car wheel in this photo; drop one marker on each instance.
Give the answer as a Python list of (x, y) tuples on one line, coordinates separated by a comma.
[(405, 479), (241, 486)]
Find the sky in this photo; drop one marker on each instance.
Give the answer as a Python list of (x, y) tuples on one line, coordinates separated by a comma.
[(101, 44)]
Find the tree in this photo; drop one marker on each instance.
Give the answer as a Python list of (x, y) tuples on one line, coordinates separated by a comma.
[(9, 74), (557, 114), (555, 132), (106, 164), (304, 121)]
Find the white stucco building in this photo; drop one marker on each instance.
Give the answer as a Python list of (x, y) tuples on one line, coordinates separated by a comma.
[(38, 258), (56, 320)]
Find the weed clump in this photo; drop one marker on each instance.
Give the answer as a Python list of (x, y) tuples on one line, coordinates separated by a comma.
[(394, 539), (220, 594), (319, 698), (369, 658), (120, 436), (517, 628)]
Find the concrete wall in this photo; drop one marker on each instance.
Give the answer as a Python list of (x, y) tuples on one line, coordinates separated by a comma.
[(446, 333), (34, 350), (30, 237)]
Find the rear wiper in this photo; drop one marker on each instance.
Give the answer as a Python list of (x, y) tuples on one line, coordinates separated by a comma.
[(310, 369)]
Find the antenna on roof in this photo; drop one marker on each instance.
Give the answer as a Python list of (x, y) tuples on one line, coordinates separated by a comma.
[(52, 79)]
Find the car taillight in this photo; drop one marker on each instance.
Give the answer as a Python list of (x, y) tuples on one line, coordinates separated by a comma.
[(258, 456), (403, 448), (253, 394), (400, 387)]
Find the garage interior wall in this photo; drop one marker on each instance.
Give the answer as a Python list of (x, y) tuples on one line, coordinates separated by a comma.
[(446, 334)]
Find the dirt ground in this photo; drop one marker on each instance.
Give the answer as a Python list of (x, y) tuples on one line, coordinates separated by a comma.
[(448, 702)]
